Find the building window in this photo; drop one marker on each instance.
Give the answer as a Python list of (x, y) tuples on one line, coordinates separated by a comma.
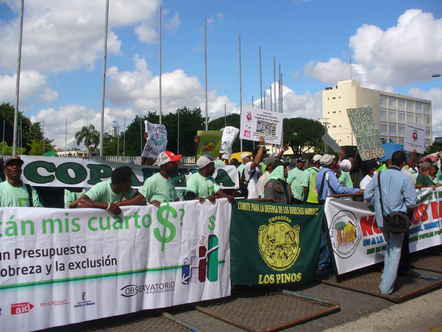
[(392, 102), (419, 119), (427, 119), (410, 106), (383, 115), (418, 107), (392, 129), (401, 116), (382, 101), (401, 104), (427, 131), (401, 128), (410, 117), (383, 128), (392, 116)]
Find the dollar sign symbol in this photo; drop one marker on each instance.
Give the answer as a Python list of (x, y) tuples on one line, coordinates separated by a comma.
[(163, 217), (211, 223)]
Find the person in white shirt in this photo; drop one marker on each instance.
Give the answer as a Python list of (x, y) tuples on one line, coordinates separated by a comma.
[(252, 171), (369, 168)]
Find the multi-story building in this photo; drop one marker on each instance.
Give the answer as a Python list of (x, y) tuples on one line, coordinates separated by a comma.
[(391, 112)]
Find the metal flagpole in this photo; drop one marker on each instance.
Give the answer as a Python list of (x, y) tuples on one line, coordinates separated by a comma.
[(141, 136), (104, 78), (240, 80), (274, 84), (282, 94), (65, 133), (279, 89), (205, 74), (225, 115), (271, 98), (161, 65), (260, 76), (178, 136), (124, 138), (17, 86), (3, 146)]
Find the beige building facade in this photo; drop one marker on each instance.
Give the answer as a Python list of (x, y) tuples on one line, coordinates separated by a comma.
[(391, 112)]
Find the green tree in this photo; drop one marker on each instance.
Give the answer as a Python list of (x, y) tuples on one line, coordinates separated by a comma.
[(6, 149), (89, 136), (303, 134)]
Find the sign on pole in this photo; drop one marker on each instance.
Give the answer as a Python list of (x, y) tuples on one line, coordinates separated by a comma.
[(414, 138), (366, 132), (256, 122)]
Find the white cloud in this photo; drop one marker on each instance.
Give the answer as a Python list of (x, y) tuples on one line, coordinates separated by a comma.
[(408, 52), (32, 83), (435, 95), (77, 116), (68, 35), (139, 89), (307, 105)]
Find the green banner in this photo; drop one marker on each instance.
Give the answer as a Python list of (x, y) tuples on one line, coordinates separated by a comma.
[(274, 244)]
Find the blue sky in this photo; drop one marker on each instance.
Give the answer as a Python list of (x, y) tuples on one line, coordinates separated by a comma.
[(394, 45)]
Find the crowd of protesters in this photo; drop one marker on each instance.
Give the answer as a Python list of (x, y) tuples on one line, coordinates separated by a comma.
[(262, 177)]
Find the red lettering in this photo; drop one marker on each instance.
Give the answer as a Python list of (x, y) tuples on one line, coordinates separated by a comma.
[(420, 214), (435, 209), (369, 226)]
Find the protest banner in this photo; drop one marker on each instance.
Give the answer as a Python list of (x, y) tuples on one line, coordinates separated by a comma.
[(61, 267), (274, 244), (414, 138), (209, 143), (229, 136), (366, 132), (358, 242), (83, 173), (156, 140), (256, 122)]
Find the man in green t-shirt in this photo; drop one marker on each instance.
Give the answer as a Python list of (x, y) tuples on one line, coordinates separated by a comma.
[(109, 194), (424, 179), (298, 181), (13, 193), (201, 185), (159, 188)]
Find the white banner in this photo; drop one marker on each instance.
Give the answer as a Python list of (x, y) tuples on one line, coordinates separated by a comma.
[(229, 136), (414, 138), (60, 267), (84, 173), (357, 241), (156, 140), (256, 122)]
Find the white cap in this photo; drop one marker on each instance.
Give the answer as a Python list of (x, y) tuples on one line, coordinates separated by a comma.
[(327, 159), (345, 165), (225, 156), (316, 158), (203, 161)]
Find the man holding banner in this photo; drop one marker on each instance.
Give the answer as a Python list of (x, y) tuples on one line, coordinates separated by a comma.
[(398, 195)]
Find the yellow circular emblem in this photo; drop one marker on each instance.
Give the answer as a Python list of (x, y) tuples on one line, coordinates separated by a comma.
[(279, 244)]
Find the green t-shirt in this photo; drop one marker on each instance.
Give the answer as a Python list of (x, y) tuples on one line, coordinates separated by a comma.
[(201, 186), (11, 196), (102, 192), (71, 196), (345, 179), (423, 180), (158, 188), (298, 179)]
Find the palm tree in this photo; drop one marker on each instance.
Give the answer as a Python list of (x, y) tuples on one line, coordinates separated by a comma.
[(89, 136)]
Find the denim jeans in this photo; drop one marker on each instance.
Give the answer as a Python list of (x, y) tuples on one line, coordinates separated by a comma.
[(392, 256)]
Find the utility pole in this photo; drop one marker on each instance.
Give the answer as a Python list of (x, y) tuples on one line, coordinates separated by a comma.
[(106, 24), (17, 85), (240, 80), (161, 65), (205, 75)]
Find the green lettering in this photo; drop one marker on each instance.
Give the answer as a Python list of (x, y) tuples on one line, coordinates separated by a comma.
[(63, 175), (31, 227), (31, 171), (52, 223), (89, 224), (98, 172), (11, 228)]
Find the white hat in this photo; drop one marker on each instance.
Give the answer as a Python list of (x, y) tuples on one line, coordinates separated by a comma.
[(203, 161), (327, 159), (225, 156), (345, 165), (316, 158)]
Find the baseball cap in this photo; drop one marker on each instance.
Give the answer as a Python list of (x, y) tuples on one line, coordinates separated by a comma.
[(345, 165), (203, 161), (327, 159), (14, 160), (316, 158), (167, 157)]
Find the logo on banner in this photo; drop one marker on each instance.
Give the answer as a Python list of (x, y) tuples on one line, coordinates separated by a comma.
[(21, 308), (84, 301), (159, 287), (279, 244), (54, 302), (344, 234), (203, 266), (414, 136)]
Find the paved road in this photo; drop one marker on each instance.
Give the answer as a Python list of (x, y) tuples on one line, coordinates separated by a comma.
[(359, 312)]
